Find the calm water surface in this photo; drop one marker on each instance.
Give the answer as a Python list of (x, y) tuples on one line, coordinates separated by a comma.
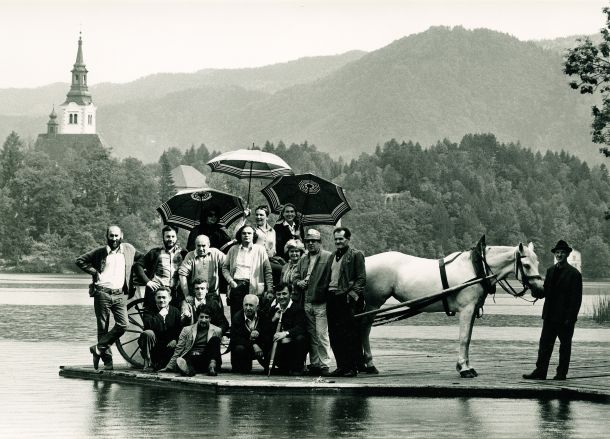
[(36, 402)]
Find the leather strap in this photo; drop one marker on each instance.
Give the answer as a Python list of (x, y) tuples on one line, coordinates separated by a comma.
[(441, 266)]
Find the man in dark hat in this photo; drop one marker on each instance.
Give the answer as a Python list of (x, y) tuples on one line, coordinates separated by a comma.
[(563, 293)]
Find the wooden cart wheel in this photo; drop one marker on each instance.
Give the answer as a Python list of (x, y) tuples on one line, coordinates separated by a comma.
[(128, 343)]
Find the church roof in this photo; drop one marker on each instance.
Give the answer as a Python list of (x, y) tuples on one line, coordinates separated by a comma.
[(186, 177)]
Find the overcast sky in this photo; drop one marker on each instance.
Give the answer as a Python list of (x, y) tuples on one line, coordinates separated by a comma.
[(128, 39)]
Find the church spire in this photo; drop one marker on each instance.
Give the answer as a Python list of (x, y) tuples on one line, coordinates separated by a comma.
[(79, 92)]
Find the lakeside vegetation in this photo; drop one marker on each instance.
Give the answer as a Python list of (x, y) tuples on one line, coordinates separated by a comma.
[(422, 201)]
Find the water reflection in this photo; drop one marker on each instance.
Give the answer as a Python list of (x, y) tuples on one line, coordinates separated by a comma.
[(556, 417)]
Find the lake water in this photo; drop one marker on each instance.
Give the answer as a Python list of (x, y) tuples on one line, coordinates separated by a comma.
[(36, 338)]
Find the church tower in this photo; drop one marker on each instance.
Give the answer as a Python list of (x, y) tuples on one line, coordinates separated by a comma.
[(72, 129), (77, 113)]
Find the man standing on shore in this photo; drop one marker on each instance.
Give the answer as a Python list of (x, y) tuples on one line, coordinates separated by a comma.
[(110, 269), (563, 297), (310, 281), (346, 276), (159, 268)]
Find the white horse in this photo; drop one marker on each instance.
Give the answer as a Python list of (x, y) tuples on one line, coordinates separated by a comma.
[(404, 277)]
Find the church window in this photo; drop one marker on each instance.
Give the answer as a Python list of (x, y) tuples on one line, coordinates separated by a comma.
[(70, 119), (90, 119), (76, 118)]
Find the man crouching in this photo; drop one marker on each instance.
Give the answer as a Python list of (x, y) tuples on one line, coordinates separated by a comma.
[(250, 336), (198, 348)]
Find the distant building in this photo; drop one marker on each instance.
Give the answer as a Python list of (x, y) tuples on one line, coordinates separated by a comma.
[(73, 126), (186, 178)]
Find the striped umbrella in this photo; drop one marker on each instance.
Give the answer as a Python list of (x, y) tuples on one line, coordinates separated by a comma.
[(250, 163), (319, 201), (185, 209)]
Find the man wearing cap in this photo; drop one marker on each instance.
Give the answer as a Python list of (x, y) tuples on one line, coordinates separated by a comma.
[(310, 283), (563, 296)]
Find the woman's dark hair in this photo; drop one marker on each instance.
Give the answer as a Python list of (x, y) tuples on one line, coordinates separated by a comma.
[(281, 217), (241, 229), (264, 208)]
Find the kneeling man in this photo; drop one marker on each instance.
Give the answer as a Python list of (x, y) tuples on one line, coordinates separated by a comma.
[(250, 336), (291, 334), (198, 347), (161, 330)]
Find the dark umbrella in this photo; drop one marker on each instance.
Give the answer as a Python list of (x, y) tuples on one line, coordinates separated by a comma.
[(185, 209), (250, 163), (318, 200)]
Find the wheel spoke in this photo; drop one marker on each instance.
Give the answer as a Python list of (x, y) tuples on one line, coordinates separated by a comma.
[(134, 352), (130, 341)]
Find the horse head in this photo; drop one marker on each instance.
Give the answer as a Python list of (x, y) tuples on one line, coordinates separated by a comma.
[(526, 269), (522, 262)]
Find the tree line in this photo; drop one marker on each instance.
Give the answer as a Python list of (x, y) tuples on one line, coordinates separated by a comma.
[(427, 202)]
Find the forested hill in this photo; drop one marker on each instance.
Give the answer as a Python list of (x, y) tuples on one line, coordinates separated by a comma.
[(422, 201), (441, 83)]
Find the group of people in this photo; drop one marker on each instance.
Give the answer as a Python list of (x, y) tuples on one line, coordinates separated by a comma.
[(288, 298), (279, 315)]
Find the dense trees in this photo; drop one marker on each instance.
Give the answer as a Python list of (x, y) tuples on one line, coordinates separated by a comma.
[(590, 63), (422, 201)]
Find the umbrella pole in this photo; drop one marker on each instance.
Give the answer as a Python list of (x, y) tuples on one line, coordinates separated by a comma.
[(249, 183)]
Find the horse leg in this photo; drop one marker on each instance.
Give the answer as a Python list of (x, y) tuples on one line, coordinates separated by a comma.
[(467, 316), (367, 354)]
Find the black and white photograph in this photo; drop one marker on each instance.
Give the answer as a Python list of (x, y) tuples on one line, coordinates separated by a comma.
[(305, 219)]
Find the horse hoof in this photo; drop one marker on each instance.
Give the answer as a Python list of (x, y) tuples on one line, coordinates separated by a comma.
[(466, 374), (474, 372)]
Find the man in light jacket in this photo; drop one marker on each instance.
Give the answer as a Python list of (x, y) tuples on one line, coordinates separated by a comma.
[(247, 270)]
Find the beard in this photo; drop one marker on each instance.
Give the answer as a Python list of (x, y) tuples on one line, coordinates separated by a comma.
[(114, 244), (169, 245)]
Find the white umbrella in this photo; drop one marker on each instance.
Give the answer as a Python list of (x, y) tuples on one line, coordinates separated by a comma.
[(250, 163)]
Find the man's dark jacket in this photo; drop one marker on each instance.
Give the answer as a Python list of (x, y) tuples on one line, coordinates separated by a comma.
[(165, 331), (352, 275), (562, 293), (293, 320), (94, 263), (241, 336), (145, 266)]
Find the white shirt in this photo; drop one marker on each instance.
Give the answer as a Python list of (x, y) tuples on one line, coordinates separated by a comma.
[(243, 263), (113, 276), (163, 312)]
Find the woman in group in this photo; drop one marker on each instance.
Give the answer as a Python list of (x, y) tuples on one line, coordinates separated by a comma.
[(209, 226), (294, 248), (266, 237), (286, 228)]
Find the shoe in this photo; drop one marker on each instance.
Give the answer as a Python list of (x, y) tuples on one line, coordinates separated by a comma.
[(535, 375), (183, 366), (371, 370), (108, 365), (148, 369), (350, 373), (96, 356), (324, 372), (559, 377), (211, 369), (296, 373), (313, 370), (338, 372)]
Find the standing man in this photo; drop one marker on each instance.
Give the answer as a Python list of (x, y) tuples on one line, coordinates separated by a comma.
[(205, 263), (159, 268), (346, 281), (250, 336), (110, 269), (311, 282), (198, 347), (162, 327), (563, 296), (247, 270)]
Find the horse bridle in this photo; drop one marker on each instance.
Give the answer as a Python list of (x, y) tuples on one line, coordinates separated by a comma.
[(520, 274)]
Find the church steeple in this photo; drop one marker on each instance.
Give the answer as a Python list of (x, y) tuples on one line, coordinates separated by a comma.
[(52, 124), (79, 92)]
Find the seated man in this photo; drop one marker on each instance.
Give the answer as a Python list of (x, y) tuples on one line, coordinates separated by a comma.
[(250, 336), (291, 334), (161, 330), (198, 347), (203, 297)]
